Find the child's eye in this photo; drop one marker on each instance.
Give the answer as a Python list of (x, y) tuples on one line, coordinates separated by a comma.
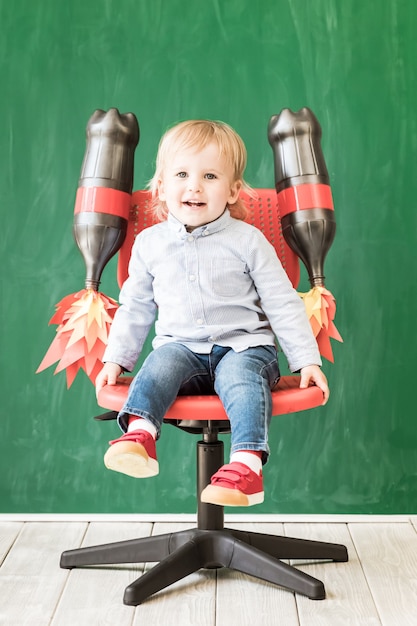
[(210, 176), (182, 174)]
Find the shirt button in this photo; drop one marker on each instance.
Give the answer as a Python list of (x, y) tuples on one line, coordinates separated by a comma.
[(199, 321), (191, 277), (190, 239)]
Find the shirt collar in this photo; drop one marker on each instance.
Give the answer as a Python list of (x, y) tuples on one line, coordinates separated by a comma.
[(202, 231)]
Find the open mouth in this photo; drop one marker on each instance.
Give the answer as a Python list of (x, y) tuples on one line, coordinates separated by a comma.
[(194, 204)]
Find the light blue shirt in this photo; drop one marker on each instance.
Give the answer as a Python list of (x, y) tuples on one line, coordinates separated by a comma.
[(220, 284)]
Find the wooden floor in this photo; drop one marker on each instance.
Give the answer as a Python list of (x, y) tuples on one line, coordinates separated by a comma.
[(377, 586)]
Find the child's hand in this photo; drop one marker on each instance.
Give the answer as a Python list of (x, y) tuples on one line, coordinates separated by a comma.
[(108, 375), (312, 374)]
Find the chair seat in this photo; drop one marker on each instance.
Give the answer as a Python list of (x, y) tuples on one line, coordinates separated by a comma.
[(287, 397)]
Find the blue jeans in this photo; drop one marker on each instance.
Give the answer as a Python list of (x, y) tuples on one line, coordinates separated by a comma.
[(242, 380)]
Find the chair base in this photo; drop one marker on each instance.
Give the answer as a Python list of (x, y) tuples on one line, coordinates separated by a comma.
[(182, 553), (210, 545)]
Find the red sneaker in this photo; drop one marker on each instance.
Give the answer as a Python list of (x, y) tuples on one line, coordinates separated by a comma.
[(234, 485), (133, 454)]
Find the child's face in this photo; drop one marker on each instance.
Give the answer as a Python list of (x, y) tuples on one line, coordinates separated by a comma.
[(197, 184)]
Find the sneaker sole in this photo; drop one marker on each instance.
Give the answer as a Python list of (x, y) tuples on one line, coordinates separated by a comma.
[(130, 458), (229, 497)]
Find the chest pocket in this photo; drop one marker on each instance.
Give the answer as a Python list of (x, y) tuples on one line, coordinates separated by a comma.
[(229, 278)]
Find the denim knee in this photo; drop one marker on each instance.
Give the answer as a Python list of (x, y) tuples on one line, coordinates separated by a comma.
[(158, 382)]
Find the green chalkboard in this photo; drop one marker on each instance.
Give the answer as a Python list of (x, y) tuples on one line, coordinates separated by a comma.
[(354, 64)]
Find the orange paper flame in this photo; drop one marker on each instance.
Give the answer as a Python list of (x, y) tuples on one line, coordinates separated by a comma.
[(84, 320), (321, 310)]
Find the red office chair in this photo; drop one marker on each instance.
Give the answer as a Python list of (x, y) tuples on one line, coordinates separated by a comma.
[(210, 545)]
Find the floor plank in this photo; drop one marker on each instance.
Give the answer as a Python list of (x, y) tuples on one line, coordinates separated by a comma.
[(388, 554), (348, 601), (31, 581), (93, 596), (8, 534)]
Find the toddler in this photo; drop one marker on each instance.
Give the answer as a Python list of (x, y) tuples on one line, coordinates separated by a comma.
[(223, 299)]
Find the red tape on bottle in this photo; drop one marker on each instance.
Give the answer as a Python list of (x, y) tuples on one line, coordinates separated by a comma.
[(307, 196), (103, 200)]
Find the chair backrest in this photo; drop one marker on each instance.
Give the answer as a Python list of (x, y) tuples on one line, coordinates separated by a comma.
[(263, 212)]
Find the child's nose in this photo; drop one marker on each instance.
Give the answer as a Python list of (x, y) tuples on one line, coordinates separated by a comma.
[(194, 184)]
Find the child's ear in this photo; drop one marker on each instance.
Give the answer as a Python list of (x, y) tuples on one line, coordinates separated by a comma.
[(234, 191), (160, 188)]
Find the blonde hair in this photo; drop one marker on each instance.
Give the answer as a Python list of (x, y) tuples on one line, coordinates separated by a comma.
[(198, 134)]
